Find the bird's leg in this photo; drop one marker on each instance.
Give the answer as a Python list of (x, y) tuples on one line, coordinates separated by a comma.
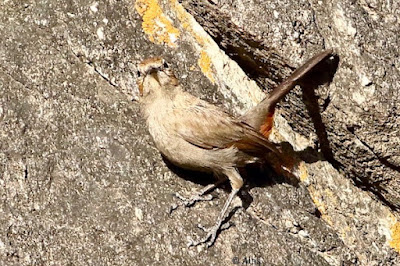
[(212, 232), (236, 182), (199, 196)]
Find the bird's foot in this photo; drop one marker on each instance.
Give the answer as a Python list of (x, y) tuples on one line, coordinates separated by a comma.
[(211, 235), (188, 202)]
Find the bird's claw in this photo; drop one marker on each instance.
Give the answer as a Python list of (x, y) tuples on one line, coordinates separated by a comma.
[(211, 235), (208, 240), (188, 202)]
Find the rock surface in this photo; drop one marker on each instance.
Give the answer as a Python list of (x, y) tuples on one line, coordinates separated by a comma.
[(81, 182)]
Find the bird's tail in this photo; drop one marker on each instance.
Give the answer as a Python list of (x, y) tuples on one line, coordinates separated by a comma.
[(261, 116)]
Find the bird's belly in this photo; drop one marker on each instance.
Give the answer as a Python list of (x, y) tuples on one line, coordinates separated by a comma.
[(184, 154), (188, 156)]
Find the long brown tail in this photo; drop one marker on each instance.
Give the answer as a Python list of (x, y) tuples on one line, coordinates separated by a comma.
[(260, 117)]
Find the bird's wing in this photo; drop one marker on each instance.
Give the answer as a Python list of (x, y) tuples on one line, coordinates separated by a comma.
[(208, 127)]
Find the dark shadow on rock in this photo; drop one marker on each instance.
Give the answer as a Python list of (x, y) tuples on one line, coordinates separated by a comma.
[(254, 175), (378, 189), (308, 155), (321, 74), (259, 175), (197, 177)]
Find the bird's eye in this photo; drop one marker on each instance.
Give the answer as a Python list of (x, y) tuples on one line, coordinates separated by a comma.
[(165, 65), (138, 73)]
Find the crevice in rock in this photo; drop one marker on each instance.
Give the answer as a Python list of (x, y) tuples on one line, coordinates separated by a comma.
[(374, 187), (259, 62), (92, 65), (382, 160), (26, 172)]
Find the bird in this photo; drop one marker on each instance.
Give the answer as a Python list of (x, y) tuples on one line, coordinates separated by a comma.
[(197, 135)]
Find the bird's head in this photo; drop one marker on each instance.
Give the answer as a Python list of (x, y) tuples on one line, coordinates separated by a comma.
[(154, 76)]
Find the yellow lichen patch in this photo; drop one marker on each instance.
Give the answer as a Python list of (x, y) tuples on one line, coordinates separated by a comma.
[(204, 63), (395, 234), (185, 18), (333, 200), (344, 232), (181, 14), (303, 172), (320, 204), (155, 24)]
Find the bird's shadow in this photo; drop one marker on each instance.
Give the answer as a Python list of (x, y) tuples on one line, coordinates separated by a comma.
[(255, 175), (322, 73)]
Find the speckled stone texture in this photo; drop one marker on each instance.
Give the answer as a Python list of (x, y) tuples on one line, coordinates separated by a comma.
[(81, 182)]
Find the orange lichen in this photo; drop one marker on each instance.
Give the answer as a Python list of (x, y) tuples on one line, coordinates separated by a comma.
[(395, 234), (204, 63), (155, 24)]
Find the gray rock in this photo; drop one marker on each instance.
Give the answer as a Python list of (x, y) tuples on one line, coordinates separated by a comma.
[(82, 183)]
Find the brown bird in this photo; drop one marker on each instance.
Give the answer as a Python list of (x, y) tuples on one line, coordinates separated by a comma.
[(196, 135)]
